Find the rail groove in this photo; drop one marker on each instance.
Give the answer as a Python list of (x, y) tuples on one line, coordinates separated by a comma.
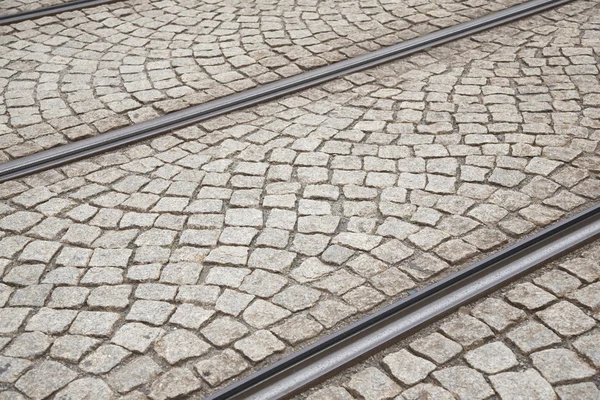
[(134, 133), (51, 10), (348, 346)]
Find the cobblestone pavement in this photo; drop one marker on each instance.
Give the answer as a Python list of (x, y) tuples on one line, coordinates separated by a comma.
[(68, 77), (8, 7), (176, 265), (537, 339)]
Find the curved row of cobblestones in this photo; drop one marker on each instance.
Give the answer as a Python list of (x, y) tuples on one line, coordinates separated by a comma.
[(248, 236), (80, 73)]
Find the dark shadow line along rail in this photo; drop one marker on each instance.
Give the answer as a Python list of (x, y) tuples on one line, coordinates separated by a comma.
[(123, 136), (315, 363), (51, 10)]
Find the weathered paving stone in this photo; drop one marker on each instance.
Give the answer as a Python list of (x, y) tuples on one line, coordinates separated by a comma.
[(174, 383), (45, 379), (566, 319), (426, 390), (466, 330), (87, 387), (491, 358), (531, 336), (436, 347), (464, 382), (137, 337), (561, 365), (578, 391), (373, 384), (528, 384), (134, 373), (259, 345), (407, 368), (180, 345), (221, 367), (104, 359)]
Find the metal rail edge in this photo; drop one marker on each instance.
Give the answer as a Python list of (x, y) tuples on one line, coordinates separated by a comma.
[(51, 10), (134, 133), (352, 344)]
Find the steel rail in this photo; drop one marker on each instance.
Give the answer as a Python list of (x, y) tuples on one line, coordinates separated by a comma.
[(123, 136), (51, 10), (331, 354)]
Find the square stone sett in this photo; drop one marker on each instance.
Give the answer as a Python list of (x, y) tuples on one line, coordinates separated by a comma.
[(34, 295), (144, 273), (94, 323), (466, 330), (566, 319), (561, 365), (233, 255), (12, 318), (331, 392), (40, 251), (175, 383), (296, 297), (139, 371), (330, 312), (585, 269), (103, 276), (180, 345), (281, 219), (232, 302), (110, 258), (181, 273), (224, 331), (28, 345), (74, 257), (588, 345), (63, 276), (589, 296), (244, 217), (491, 358), (72, 347), (103, 359), (271, 259), (436, 347), (497, 314), (464, 382), (310, 245), (136, 337), (110, 297), (190, 316), (528, 384), (12, 368), (198, 294), (45, 379), (79, 234), (259, 345), (373, 384), (226, 276), (530, 296), (24, 275), (392, 281), (297, 329), (155, 291), (261, 314), (408, 368), (557, 282), (150, 311), (271, 237), (531, 336), (224, 365), (51, 321)]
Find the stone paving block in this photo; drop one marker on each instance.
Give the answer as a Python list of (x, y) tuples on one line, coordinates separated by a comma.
[(466, 330), (491, 358), (83, 387), (566, 319), (373, 384), (528, 384), (407, 368), (174, 383), (221, 367), (561, 365), (464, 382), (45, 379), (103, 359), (531, 336), (136, 372), (179, 345), (497, 314)]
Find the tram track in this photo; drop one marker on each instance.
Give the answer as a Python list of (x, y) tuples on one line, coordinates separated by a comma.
[(61, 155), (315, 363), (51, 10)]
